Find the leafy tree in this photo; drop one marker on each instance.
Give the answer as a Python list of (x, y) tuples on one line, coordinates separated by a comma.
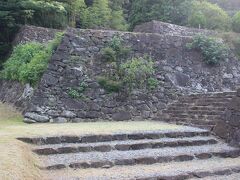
[(97, 15), (172, 11), (212, 50), (209, 16), (117, 15), (103, 13), (236, 22)]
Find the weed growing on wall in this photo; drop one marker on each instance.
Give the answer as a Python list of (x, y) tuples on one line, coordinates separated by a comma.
[(136, 71), (125, 74), (109, 84), (78, 92), (28, 61), (212, 49), (115, 51), (152, 83)]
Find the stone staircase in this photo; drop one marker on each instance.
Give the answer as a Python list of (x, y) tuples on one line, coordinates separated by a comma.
[(185, 153), (202, 110)]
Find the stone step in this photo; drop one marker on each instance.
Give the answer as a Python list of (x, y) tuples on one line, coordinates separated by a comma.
[(227, 97), (197, 108), (188, 121), (216, 104), (133, 157), (201, 125), (228, 174), (164, 171), (190, 112), (215, 95), (196, 118), (183, 132), (207, 100), (123, 145)]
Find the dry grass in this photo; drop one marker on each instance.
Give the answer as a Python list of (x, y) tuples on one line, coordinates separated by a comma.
[(16, 159)]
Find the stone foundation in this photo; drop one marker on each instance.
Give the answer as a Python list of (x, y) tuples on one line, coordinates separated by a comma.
[(229, 126), (170, 29), (178, 70)]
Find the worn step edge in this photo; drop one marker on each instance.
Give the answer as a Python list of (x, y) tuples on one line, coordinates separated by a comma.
[(122, 147), (195, 174), (177, 104), (144, 160), (190, 112), (113, 137)]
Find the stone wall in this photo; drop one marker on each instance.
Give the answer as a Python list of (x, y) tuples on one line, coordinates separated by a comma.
[(12, 92), (15, 93), (229, 126), (179, 71), (170, 29), (33, 33)]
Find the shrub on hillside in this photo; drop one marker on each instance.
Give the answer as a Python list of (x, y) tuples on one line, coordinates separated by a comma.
[(209, 16), (136, 71), (213, 50), (109, 84), (28, 61), (236, 22)]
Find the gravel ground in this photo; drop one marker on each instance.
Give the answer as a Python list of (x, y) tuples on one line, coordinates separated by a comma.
[(113, 155), (113, 143), (138, 171)]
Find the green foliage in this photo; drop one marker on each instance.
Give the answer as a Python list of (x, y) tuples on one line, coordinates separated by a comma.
[(56, 41), (97, 15), (21, 65), (109, 85), (233, 41), (136, 71), (167, 11), (236, 44), (103, 13), (32, 71), (212, 50), (28, 61), (115, 51), (77, 93), (116, 44), (197, 20), (118, 21), (108, 54), (210, 16), (236, 22), (152, 83)]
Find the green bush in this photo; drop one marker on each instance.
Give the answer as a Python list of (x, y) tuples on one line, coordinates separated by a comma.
[(152, 83), (209, 16), (236, 44), (108, 54), (115, 51), (109, 85), (77, 93), (236, 22), (28, 61), (116, 44), (56, 41), (212, 50), (136, 71)]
